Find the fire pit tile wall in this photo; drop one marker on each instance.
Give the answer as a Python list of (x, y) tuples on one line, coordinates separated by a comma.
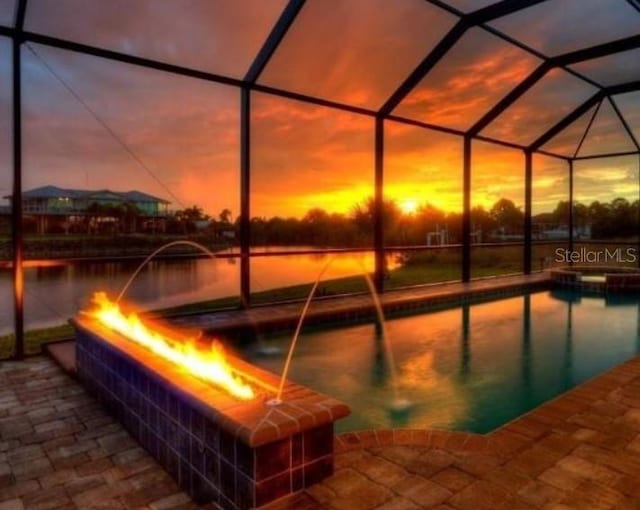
[(207, 461)]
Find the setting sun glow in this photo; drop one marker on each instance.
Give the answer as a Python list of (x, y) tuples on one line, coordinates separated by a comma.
[(409, 206)]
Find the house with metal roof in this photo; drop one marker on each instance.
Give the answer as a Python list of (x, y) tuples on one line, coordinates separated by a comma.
[(51, 208)]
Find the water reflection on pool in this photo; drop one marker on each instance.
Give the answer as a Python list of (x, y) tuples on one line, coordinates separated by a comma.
[(471, 368)]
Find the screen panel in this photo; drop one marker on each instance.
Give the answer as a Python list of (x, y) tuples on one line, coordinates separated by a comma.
[(562, 26), (629, 106), (552, 98), (613, 69), (606, 192), (607, 134), (549, 211), (7, 12), (292, 276), (423, 197), (120, 161), (567, 141), (311, 175), (7, 334), (474, 75), (221, 37), (355, 51), (497, 205), (605, 179)]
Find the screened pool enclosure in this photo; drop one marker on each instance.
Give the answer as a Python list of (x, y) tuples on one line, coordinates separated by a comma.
[(419, 140)]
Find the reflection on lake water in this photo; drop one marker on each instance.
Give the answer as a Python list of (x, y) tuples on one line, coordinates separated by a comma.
[(55, 291)]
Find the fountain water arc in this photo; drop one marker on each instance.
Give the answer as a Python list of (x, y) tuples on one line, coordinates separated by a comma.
[(398, 402), (142, 265)]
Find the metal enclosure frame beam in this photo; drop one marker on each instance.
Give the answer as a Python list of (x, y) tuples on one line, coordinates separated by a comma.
[(627, 128), (378, 209), (623, 88), (528, 177), (479, 17), (566, 121), (423, 68), (466, 209), (574, 57), (608, 155), (271, 44), (279, 31), (571, 200), (245, 201), (249, 84), (17, 234)]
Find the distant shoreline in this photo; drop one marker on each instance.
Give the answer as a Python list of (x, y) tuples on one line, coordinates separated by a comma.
[(58, 250), (60, 261)]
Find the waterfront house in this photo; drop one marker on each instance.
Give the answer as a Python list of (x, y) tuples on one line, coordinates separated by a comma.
[(52, 209)]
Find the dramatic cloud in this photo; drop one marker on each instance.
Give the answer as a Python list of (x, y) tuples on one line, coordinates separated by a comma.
[(221, 36), (607, 134), (423, 166), (612, 69), (306, 156), (358, 51), (186, 131), (562, 26), (546, 103), (550, 183), (497, 172), (478, 71), (606, 179), (629, 105)]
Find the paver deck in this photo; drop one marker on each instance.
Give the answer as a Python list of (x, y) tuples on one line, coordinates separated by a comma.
[(60, 450)]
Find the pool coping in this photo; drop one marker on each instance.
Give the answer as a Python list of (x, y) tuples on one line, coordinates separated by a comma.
[(328, 311)]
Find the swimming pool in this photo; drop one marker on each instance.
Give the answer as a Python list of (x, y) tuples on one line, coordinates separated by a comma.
[(470, 368)]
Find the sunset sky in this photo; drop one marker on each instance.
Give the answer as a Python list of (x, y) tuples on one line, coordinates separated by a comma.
[(186, 131)]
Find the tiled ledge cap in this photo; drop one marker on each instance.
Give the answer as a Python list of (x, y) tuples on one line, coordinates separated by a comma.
[(254, 422)]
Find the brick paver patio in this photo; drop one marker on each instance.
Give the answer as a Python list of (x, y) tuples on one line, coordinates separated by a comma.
[(59, 450)]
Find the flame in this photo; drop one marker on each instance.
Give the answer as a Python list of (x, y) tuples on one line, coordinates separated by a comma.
[(211, 366)]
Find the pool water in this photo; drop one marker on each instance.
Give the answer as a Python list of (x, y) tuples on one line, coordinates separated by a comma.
[(471, 368)]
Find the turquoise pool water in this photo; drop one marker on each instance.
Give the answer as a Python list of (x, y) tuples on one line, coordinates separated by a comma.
[(471, 368)]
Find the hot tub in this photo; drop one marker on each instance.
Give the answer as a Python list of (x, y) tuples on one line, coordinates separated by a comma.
[(600, 279)]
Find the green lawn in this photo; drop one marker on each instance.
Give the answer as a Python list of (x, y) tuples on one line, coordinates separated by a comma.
[(34, 339)]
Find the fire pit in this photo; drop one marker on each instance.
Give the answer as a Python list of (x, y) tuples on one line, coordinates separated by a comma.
[(222, 445)]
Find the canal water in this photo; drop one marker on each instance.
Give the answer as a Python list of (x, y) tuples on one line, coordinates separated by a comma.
[(56, 290)]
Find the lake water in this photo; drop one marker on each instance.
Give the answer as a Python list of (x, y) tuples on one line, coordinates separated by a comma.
[(55, 291)]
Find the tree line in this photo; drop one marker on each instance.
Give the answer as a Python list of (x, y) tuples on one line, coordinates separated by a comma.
[(503, 220), (318, 227)]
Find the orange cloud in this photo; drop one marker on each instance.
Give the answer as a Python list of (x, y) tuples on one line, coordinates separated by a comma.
[(187, 131), (479, 70), (540, 108), (357, 52)]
